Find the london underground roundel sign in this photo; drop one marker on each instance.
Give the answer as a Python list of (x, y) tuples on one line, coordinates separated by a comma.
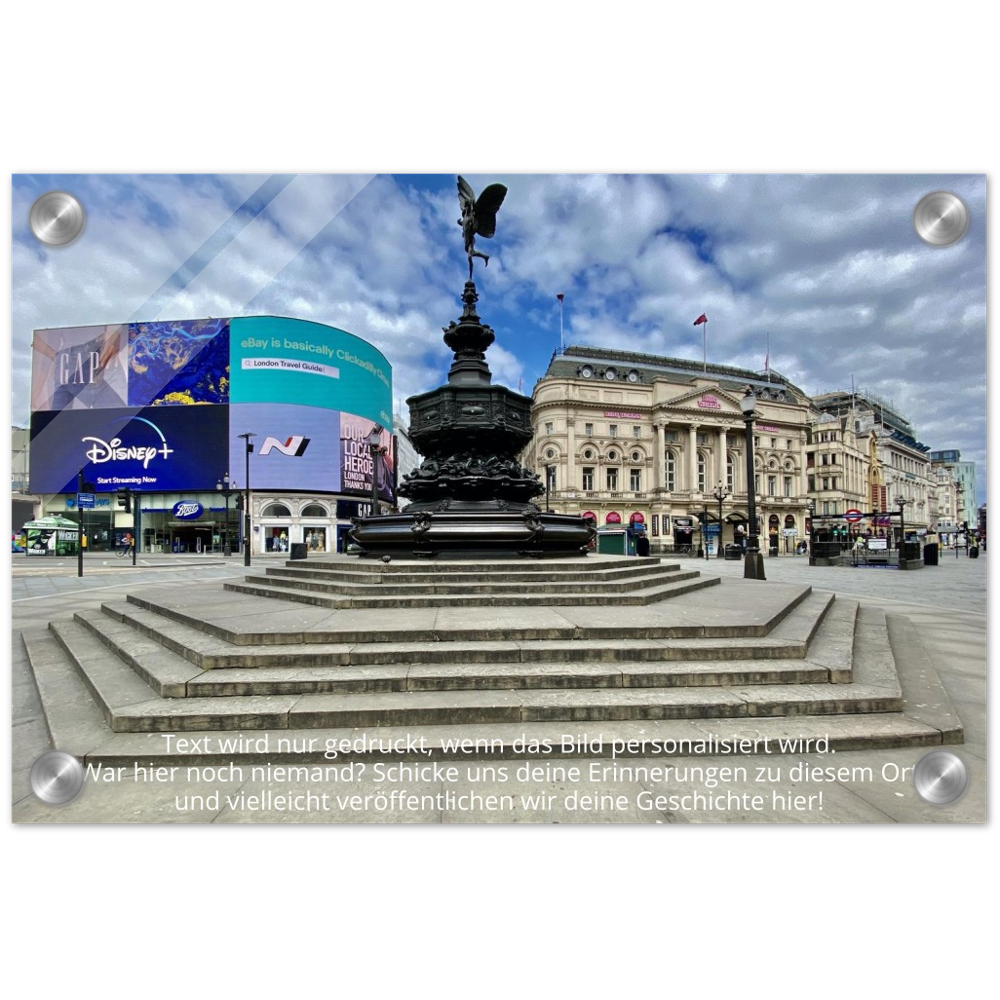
[(853, 515)]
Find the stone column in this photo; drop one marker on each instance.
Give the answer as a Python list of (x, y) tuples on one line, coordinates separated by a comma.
[(571, 482), (693, 457), (722, 457), (659, 463)]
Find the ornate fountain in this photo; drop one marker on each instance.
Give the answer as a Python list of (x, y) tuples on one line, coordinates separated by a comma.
[(471, 496)]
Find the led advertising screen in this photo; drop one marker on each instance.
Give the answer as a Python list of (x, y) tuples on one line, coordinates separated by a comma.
[(294, 447), (277, 360), (310, 393), (79, 368), (169, 448)]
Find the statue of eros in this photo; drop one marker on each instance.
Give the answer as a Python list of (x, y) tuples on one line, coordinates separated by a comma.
[(479, 216)]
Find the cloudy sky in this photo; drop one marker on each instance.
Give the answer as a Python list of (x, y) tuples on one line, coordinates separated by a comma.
[(827, 266)]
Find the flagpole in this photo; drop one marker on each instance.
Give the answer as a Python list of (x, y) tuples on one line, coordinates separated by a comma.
[(704, 348), (562, 340), (767, 356)]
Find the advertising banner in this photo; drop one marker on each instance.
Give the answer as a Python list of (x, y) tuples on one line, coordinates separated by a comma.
[(294, 447), (275, 360), (154, 448), (356, 458), (79, 368), (178, 362)]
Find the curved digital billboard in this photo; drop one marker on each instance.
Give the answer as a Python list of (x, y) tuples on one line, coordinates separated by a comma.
[(161, 406)]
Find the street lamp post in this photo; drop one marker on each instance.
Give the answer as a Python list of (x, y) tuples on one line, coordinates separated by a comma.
[(753, 564), (720, 494), (375, 447), (811, 507), (246, 499), (225, 488), (548, 486), (901, 503)]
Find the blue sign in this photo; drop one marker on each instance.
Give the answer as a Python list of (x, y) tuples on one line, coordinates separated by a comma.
[(187, 510), (159, 448), (85, 500)]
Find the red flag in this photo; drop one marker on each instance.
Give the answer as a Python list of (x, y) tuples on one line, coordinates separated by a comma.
[(560, 296), (701, 319)]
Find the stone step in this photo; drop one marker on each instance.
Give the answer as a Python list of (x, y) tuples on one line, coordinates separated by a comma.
[(732, 741), (170, 675), (567, 597), (391, 586), (584, 567), (788, 639), (424, 573)]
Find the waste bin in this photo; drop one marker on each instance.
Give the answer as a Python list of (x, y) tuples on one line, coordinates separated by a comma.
[(974, 552), (298, 550), (733, 552), (931, 554)]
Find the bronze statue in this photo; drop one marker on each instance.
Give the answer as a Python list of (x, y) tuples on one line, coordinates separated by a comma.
[(479, 216)]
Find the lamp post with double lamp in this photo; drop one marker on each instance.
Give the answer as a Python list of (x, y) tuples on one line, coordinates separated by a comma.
[(753, 562), (901, 503), (227, 490), (246, 499), (375, 447), (720, 494), (811, 507)]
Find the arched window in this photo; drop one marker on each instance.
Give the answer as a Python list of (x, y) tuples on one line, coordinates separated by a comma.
[(730, 473), (276, 510), (670, 471), (702, 464), (314, 510)]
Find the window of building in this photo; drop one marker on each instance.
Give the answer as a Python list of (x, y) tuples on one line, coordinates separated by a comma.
[(670, 435), (670, 471), (314, 510), (771, 485), (825, 460), (636, 432), (810, 484), (588, 430), (635, 480), (588, 479), (788, 444), (701, 473), (613, 430), (756, 485), (788, 486), (730, 474), (612, 479), (756, 442), (276, 510), (774, 442), (549, 428), (826, 484)]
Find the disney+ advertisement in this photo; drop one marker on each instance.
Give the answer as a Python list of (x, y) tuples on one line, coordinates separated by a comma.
[(162, 448)]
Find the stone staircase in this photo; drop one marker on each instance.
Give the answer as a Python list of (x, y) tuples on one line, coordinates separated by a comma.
[(453, 651)]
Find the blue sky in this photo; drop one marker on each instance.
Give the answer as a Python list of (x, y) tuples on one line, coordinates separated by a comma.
[(828, 266)]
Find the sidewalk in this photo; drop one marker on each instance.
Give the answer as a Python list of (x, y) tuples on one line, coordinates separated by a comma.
[(946, 604)]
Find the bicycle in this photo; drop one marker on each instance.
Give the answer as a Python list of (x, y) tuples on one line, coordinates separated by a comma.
[(124, 550)]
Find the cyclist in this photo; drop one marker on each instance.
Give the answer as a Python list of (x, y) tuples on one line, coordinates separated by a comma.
[(127, 542)]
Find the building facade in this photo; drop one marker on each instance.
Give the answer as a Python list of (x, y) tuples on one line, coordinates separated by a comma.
[(630, 438), (965, 474)]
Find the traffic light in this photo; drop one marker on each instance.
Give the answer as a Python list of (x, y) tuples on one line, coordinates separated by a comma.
[(125, 500)]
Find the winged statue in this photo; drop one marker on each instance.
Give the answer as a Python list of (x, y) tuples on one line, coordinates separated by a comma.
[(479, 216)]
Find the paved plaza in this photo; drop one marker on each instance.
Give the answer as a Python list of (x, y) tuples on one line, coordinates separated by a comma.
[(946, 605)]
